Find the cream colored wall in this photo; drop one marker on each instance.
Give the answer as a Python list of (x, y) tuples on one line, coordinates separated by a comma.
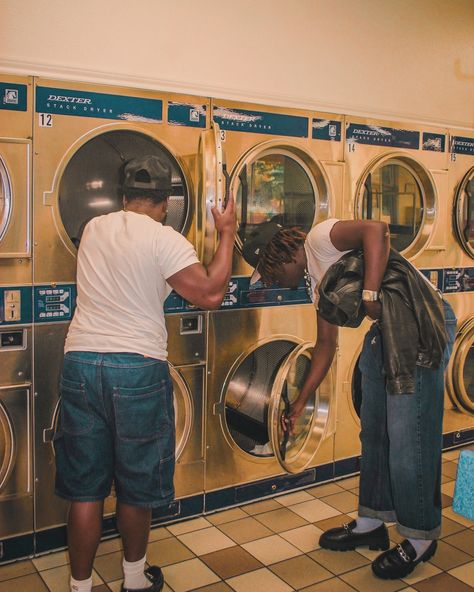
[(392, 58)]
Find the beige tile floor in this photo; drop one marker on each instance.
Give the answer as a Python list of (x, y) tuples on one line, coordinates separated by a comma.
[(269, 546)]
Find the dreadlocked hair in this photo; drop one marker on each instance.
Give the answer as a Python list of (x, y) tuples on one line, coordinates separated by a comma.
[(281, 249)]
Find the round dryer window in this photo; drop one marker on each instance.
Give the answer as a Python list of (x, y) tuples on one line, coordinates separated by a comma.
[(5, 198), (398, 191), (464, 213), (460, 376), (90, 184), (278, 185)]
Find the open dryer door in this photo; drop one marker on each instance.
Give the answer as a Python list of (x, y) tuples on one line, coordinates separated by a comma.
[(211, 188), (294, 452)]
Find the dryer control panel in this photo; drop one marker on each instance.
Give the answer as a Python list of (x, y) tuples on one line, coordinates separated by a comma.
[(54, 302)]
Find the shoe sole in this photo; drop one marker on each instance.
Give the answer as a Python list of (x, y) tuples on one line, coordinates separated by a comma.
[(353, 547), (384, 576)]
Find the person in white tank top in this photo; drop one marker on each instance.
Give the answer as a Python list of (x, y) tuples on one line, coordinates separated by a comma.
[(399, 470)]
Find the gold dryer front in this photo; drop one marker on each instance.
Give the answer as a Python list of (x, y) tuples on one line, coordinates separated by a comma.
[(83, 134), (16, 393), (258, 359), (283, 165), (397, 173)]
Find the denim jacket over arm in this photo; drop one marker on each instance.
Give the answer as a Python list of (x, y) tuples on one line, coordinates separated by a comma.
[(412, 324)]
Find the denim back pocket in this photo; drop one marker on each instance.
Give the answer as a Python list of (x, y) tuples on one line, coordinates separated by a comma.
[(141, 414), (75, 415)]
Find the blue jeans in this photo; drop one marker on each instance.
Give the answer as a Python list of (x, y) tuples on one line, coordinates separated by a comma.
[(116, 424), (401, 435)]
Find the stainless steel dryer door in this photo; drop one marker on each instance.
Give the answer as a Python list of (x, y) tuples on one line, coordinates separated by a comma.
[(460, 374), (295, 451), (15, 182), (464, 213)]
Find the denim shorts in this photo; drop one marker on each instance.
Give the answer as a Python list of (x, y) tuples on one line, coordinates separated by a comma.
[(116, 424)]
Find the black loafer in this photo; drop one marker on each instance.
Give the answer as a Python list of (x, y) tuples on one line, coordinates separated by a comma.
[(345, 539), (155, 575), (400, 561)]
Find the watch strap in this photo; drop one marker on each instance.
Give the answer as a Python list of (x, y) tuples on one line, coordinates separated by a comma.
[(370, 295)]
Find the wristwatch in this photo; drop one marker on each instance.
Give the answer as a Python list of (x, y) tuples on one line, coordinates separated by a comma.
[(370, 295)]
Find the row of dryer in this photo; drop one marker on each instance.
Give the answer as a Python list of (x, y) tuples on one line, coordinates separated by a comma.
[(61, 148)]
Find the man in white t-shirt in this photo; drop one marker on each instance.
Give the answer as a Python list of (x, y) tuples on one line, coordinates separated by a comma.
[(117, 414), (400, 433)]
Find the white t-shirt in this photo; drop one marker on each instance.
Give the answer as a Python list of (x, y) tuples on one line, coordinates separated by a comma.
[(123, 262), (320, 253)]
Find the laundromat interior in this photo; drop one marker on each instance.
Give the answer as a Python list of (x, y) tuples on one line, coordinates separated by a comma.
[(305, 110)]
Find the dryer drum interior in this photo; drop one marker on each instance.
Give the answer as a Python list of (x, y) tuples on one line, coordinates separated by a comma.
[(260, 390), (91, 183), (5, 198), (464, 213), (400, 192)]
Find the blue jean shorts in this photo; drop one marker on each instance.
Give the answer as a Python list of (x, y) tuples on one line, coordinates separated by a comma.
[(117, 425)]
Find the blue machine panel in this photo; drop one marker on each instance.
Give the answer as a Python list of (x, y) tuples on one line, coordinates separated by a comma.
[(188, 114), (451, 280), (57, 303), (459, 279), (326, 129), (239, 295), (436, 277), (461, 145), (261, 122), (376, 135), (13, 96), (54, 303), (78, 103), (20, 298), (434, 142)]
